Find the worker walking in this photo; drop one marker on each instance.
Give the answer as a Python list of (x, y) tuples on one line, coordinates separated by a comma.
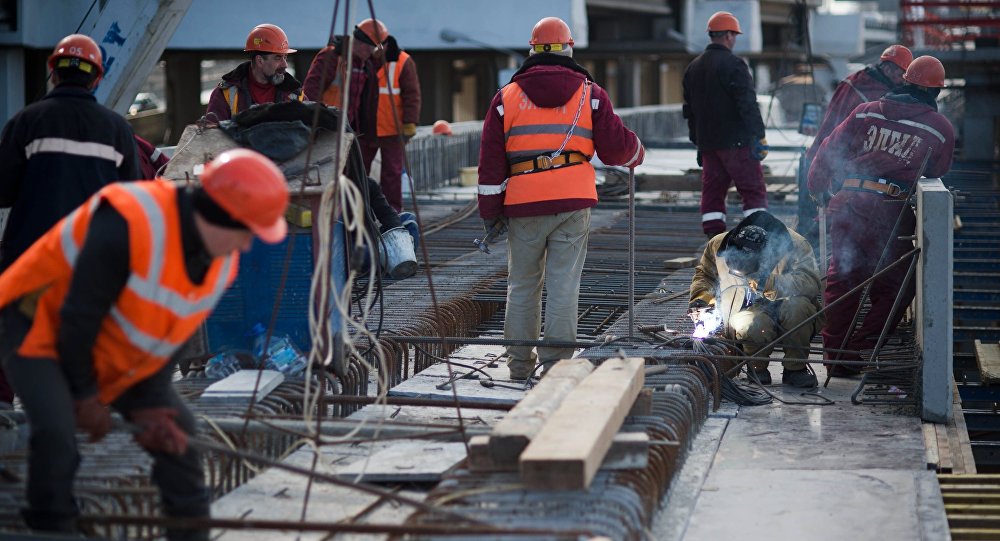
[(399, 89), (757, 282), (59, 151), (327, 78), (540, 133), (94, 311), (262, 79), (724, 122), (871, 163)]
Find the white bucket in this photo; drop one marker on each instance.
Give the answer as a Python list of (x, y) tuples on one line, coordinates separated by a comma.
[(396, 251)]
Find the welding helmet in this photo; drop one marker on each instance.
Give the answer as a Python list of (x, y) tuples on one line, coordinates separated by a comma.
[(744, 252)]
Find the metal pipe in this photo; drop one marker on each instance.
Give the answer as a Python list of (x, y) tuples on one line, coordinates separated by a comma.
[(631, 251)]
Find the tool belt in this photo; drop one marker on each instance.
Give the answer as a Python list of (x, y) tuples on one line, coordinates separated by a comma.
[(880, 185), (544, 161)]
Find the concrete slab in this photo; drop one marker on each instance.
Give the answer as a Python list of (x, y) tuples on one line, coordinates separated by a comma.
[(405, 462)]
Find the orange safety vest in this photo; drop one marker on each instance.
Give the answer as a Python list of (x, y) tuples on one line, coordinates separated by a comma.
[(386, 119), (156, 312), (531, 131), (232, 95)]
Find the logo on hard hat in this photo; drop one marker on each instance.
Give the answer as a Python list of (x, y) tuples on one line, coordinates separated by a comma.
[(258, 41)]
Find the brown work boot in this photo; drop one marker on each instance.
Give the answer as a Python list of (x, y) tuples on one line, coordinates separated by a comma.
[(520, 370)]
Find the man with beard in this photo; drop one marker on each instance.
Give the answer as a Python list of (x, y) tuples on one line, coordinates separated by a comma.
[(262, 79)]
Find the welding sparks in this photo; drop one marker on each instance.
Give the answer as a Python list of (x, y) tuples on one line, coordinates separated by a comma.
[(708, 322)]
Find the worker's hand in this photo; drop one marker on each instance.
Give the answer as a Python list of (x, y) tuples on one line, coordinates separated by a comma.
[(159, 432), (695, 309), (697, 158), (821, 199), (759, 149), (409, 130), (490, 223), (92, 417)]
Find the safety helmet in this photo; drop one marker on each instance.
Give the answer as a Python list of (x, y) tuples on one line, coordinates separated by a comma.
[(925, 71), (375, 30), (898, 55), (441, 127), (723, 21), (268, 38), (550, 34), (251, 189), (79, 51)]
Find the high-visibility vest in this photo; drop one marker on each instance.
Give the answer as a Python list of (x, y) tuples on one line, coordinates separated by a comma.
[(390, 73), (531, 131), (232, 93), (156, 312)]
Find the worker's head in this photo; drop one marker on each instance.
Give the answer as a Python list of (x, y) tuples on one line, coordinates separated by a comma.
[(77, 61), (894, 61), (551, 35), (926, 73), (743, 256), (268, 48), (441, 127), (242, 194), (370, 36), (723, 27)]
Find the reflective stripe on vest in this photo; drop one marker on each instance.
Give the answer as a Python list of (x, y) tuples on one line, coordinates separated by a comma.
[(390, 73), (232, 96), (530, 131)]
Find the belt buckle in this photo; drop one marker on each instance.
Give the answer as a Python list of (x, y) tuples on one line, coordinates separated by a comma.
[(893, 190), (544, 161)]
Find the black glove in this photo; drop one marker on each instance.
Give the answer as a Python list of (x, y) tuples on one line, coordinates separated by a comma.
[(759, 149), (695, 308), (697, 158), (489, 223)]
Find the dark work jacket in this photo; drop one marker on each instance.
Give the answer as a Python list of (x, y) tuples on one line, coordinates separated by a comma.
[(54, 154), (236, 81), (720, 104)]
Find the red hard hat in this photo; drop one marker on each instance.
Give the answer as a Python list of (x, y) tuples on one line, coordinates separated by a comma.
[(441, 127), (723, 21), (925, 71), (251, 189), (375, 30), (549, 31), (268, 38), (898, 55), (80, 47)]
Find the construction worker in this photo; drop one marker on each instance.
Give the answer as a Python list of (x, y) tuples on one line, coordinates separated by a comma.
[(262, 79), (151, 160), (758, 281), (326, 79), (94, 311), (724, 122), (398, 108), (863, 86), (535, 176), (871, 163), (59, 151)]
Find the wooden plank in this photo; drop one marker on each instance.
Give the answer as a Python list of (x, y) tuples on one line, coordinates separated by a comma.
[(629, 450), (643, 404), (566, 454), (679, 263), (930, 446), (945, 463), (988, 359), (509, 438), (238, 387)]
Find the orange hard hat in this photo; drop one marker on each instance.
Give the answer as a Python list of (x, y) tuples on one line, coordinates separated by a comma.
[(81, 48), (925, 71), (375, 30), (549, 31), (251, 189), (723, 21), (898, 55), (441, 127), (268, 38)]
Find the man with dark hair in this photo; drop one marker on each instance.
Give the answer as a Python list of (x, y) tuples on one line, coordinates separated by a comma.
[(57, 152), (262, 79), (758, 281), (724, 122)]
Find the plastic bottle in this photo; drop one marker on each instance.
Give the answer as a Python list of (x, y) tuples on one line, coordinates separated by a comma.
[(221, 364), (283, 356), (405, 181)]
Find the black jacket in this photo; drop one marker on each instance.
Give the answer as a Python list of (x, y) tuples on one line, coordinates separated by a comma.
[(54, 154), (720, 104)]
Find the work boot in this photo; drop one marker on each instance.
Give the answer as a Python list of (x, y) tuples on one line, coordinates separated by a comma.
[(520, 370), (763, 376), (798, 378)]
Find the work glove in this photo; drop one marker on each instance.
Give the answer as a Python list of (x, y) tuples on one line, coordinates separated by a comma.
[(92, 417), (159, 432), (490, 223), (409, 130), (695, 308), (821, 199), (759, 149), (697, 158)]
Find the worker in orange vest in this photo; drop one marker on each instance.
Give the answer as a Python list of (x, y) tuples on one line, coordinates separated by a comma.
[(535, 175), (93, 313), (262, 79)]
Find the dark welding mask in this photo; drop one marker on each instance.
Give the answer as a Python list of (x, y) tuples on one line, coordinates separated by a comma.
[(745, 248)]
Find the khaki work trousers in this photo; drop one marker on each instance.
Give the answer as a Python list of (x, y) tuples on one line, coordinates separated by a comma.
[(756, 327), (547, 250)]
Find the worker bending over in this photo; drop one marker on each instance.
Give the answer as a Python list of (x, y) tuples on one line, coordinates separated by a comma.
[(94, 311), (871, 163), (759, 281), (541, 131)]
